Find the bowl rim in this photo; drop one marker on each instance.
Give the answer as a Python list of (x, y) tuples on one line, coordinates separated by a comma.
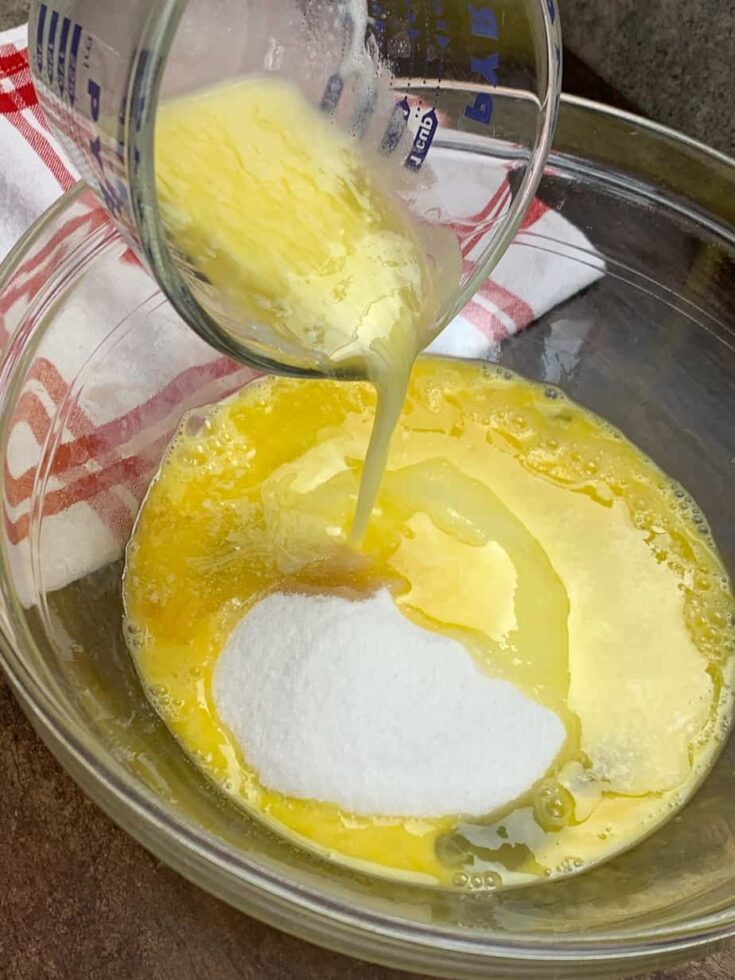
[(272, 897), (651, 125)]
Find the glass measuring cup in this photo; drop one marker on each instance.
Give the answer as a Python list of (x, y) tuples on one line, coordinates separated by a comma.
[(406, 79)]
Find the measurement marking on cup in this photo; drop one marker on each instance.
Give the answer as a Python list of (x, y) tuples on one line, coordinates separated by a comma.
[(424, 138), (62, 56), (332, 93), (396, 126), (51, 45), (481, 110), (42, 10), (87, 58), (487, 67), (71, 81), (61, 66), (484, 24)]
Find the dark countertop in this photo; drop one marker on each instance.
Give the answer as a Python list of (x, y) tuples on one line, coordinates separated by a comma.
[(12, 12), (674, 59), (80, 899)]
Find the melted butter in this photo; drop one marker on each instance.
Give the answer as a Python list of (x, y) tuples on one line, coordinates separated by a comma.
[(508, 518), (296, 243)]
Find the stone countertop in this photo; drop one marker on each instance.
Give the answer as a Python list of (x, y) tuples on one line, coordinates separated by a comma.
[(82, 900), (12, 12), (673, 59)]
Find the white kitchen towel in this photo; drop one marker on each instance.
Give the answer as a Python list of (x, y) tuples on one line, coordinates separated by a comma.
[(85, 443)]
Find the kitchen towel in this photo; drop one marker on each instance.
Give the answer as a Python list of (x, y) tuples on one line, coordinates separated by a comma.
[(82, 446)]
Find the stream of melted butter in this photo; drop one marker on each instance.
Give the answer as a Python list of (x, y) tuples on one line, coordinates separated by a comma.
[(297, 242)]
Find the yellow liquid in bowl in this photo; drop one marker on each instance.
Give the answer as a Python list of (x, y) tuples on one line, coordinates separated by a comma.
[(508, 518)]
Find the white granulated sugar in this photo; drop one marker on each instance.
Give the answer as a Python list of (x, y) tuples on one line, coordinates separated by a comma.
[(352, 703)]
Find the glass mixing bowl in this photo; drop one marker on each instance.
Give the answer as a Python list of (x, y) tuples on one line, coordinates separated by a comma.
[(650, 346)]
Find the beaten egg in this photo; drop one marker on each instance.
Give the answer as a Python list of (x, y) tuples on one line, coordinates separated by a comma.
[(510, 519)]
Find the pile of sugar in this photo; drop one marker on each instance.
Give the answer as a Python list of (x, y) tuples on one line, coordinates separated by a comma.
[(353, 704)]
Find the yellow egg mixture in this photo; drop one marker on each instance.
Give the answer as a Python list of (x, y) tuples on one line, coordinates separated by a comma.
[(508, 518)]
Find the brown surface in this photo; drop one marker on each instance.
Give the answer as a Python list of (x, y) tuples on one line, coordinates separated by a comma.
[(80, 899)]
